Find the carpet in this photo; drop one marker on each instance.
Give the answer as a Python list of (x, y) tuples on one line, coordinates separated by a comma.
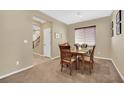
[(49, 72)]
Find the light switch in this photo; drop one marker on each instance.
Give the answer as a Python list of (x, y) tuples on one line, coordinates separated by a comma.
[(17, 62), (25, 41)]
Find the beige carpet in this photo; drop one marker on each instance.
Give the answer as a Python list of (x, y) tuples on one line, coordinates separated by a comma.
[(39, 59), (49, 71)]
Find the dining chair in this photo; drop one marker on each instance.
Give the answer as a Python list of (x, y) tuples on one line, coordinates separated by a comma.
[(88, 59), (66, 44), (63, 47), (67, 59)]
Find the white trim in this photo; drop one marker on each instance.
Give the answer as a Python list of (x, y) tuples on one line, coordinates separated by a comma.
[(39, 19), (9, 74), (113, 64), (55, 57), (23, 69), (118, 70), (38, 54), (45, 56), (102, 58)]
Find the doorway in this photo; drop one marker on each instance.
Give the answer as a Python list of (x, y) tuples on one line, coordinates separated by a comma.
[(47, 42), (41, 37)]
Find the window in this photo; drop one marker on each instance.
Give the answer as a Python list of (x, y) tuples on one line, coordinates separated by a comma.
[(85, 35)]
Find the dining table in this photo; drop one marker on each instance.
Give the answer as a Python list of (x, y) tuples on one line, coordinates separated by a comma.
[(79, 52)]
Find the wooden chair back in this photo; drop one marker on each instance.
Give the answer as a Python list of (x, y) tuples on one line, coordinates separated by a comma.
[(92, 53), (66, 55), (62, 48)]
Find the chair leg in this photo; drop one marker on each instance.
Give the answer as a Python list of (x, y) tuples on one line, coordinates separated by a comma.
[(67, 65), (90, 68), (60, 62), (70, 69), (83, 66), (93, 61), (92, 65), (76, 65), (61, 67)]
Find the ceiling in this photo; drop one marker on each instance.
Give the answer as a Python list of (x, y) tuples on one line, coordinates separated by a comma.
[(74, 16)]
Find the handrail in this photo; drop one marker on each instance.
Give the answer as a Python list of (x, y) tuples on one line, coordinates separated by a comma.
[(36, 41)]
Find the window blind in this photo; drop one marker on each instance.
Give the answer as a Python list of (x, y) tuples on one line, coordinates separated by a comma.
[(85, 35)]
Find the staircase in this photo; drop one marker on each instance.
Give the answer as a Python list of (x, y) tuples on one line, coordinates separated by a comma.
[(36, 38)]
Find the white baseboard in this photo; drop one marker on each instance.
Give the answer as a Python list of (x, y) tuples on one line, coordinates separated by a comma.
[(23, 69), (102, 58), (105, 59), (40, 55), (113, 64), (45, 56), (55, 57), (118, 70)]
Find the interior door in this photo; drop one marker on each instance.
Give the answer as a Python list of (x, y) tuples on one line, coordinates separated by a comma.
[(47, 42)]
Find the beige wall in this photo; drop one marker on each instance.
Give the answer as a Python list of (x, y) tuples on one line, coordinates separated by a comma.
[(103, 35), (15, 27), (118, 45), (56, 26)]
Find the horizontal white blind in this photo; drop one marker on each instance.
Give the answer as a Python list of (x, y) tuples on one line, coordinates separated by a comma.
[(85, 35)]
